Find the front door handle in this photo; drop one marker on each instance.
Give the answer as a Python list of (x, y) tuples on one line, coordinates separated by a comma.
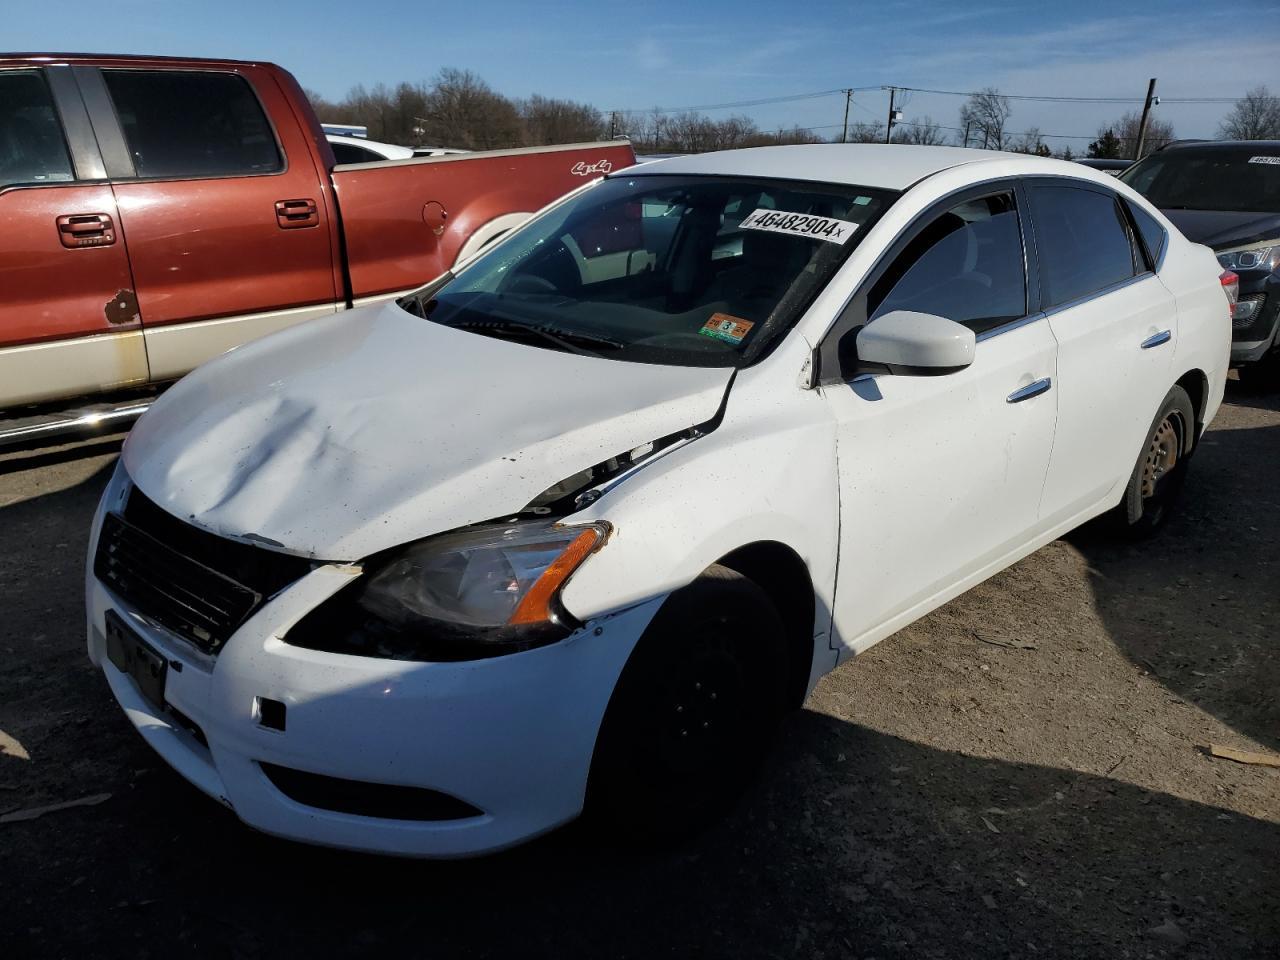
[(1029, 391), (1156, 339), (78, 230), (292, 214)]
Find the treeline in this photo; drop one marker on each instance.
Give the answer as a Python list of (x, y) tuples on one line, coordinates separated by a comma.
[(459, 109)]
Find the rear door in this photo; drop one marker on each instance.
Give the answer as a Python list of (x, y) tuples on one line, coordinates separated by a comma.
[(1116, 327), (68, 321), (227, 227)]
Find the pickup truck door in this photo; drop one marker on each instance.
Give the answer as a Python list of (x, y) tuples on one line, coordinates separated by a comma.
[(940, 476), (68, 321), (222, 205)]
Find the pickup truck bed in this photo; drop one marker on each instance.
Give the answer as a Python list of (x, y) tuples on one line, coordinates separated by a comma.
[(156, 212)]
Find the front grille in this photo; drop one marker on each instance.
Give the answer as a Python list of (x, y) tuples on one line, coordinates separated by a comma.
[(193, 583)]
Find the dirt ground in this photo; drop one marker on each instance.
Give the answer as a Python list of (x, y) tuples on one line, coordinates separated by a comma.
[(1022, 774)]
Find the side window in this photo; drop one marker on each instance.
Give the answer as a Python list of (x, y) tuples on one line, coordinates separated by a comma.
[(201, 124), (351, 153), (1153, 235), (966, 265), (32, 148), (1083, 241)]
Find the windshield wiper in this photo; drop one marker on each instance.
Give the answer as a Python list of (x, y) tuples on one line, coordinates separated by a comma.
[(567, 340)]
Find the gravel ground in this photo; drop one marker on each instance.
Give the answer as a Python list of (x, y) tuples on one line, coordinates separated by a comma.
[(1023, 773)]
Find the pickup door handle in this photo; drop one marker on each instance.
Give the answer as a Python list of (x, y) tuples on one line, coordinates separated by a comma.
[(1029, 391), (292, 214), (1156, 339), (78, 230)]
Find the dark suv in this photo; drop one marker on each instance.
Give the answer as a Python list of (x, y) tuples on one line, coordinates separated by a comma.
[(1226, 195)]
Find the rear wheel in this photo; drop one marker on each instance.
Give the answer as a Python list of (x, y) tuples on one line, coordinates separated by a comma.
[(693, 710), (1161, 470)]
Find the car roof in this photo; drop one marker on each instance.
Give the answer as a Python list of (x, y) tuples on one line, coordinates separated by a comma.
[(889, 166), (1221, 145)]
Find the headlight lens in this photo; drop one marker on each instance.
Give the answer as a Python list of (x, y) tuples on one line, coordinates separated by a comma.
[(1263, 256), (474, 593)]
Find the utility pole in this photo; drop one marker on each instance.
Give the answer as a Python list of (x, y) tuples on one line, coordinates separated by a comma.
[(888, 127), (1142, 125), (848, 96), (966, 132)]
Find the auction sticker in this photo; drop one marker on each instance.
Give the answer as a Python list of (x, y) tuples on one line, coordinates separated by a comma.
[(800, 225), (1274, 161), (725, 327)]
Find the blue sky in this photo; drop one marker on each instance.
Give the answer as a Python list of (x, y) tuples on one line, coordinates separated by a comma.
[(670, 53)]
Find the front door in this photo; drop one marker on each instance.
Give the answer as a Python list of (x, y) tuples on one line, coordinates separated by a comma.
[(68, 320), (941, 477), (228, 230)]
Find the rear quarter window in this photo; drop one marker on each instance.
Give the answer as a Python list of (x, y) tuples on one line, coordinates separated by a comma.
[(1153, 235), (192, 124)]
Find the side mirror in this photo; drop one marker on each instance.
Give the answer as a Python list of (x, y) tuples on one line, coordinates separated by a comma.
[(915, 344)]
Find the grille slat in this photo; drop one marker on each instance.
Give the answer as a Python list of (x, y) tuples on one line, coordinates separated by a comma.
[(216, 609), (196, 584)]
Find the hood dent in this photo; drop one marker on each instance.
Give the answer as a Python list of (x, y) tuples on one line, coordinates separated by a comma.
[(355, 433)]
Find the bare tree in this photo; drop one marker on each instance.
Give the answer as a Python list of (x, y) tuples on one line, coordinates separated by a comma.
[(1255, 117), (1031, 141), (547, 120), (986, 113), (461, 110), (1159, 133), (865, 133), (923, 131)]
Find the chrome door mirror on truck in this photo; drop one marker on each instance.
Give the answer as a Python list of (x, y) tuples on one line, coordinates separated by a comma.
[(915, 344)]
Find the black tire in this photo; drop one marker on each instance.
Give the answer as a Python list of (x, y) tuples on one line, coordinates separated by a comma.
[(1161, 471), (693, 711)]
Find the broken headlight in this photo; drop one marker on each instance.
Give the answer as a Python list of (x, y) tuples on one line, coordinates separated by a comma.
[(480, 592)]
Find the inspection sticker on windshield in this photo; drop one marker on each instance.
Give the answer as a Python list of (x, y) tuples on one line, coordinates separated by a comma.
[(728, 328), (800, 225), (1274, 161)]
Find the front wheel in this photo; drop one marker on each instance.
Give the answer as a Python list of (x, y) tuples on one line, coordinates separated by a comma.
[(1161, 470), (693, 710)]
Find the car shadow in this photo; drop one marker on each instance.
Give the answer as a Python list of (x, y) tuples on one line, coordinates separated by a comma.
[(1198, 605), (852, 843)]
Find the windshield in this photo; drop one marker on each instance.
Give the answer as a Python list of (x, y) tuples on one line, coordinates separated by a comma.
[(1244, 179), (696, 271)]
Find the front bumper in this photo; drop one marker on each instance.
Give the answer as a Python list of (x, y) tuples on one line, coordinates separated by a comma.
[(1253, 338), (512, 736)]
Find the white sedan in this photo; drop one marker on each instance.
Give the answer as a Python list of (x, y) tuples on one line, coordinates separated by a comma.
[(575, 527)]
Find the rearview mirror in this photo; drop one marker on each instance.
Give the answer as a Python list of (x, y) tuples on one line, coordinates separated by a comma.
[(919, 344)]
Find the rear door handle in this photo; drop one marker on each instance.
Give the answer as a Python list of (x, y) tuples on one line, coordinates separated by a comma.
[(1156, 339), (1029, 391), (78, 230), (292, 214)]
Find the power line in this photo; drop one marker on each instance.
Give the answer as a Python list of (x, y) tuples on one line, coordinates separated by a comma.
[(741, 103), (764, 101)]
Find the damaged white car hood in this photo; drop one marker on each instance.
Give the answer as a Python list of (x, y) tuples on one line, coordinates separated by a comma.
[(354, 433)]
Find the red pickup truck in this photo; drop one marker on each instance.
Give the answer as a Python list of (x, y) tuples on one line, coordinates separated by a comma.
[(156, 212)]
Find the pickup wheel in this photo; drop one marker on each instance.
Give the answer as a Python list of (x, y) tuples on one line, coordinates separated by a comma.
[(1161, 470), (693, 711)]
